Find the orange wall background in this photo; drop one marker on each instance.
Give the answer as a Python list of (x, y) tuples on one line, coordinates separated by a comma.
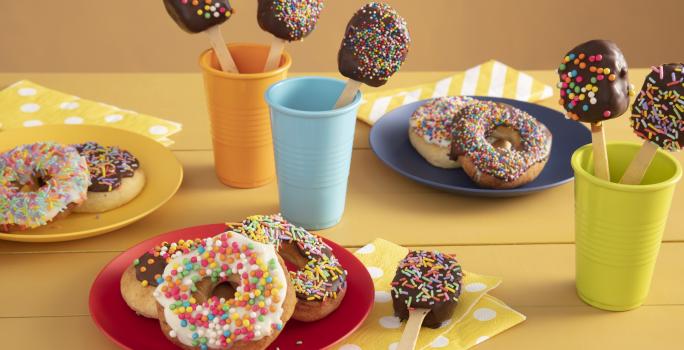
[(138, 36)]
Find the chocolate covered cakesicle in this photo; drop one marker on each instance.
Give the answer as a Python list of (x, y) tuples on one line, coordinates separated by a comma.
[(594, 87), (194, 16), (593, 82), (289, 20), (657, 118), (658, 111), (427, 280), (375, 45)]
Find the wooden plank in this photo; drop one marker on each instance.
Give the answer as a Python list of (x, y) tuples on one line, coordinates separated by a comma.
[(557, 327), (533, 275), (380, 203)]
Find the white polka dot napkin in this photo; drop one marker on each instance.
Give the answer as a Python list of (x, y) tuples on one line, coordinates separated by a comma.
[(491, 78), (27, 104), (478, 315)]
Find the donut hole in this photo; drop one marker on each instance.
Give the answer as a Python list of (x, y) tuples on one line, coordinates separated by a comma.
[(225, 290), (206, 289), (505, 138)]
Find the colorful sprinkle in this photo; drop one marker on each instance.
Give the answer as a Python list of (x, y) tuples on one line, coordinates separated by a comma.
[(434, 120), (658, 111), (39, 181), (322, 277), (108, 165)]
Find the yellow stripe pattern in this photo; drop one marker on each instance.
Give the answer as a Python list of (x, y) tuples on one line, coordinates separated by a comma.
[(491, 78)]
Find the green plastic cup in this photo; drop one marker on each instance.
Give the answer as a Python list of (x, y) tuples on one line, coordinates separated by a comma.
[(618, 228)]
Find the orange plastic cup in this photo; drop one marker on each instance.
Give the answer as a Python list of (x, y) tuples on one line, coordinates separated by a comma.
[(240, 122)]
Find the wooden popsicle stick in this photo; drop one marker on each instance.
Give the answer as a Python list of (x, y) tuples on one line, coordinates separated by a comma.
[(274, 54), (219, 44), (349, 93), (598, 140), (637, 168), (412, 329)]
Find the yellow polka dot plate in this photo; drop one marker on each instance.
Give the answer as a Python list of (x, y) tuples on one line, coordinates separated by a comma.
[(163, 172)]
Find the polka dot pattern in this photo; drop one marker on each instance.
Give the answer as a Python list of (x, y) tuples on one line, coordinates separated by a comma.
[(27, 92), (375, 272), (69, 106), (32, 123), (390, 322), (26, 104), (382, 297), (475, 287), (30, 107), (440, 342), (113, 118), (73, 120), (382, 330), (367, 249), (484, 314), (158, 130)]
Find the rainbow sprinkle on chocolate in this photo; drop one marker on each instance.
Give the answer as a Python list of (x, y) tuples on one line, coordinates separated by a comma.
[(478, 121), (658, 111), (295, 18), (194, 16), (253, 313), (434, 120), (593, 82), (375, 44), (150, 266), (322, 277), (39, 181), (107, 165), (426, 278)]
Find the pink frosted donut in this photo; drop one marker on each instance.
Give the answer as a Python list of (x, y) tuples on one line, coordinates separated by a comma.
[(38, 182)]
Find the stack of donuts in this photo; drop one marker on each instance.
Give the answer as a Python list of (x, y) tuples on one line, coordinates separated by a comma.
[(46, 181), (497, 145), (234, 290)]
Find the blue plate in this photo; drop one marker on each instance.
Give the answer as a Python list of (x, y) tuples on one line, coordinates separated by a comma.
[(389, 140)]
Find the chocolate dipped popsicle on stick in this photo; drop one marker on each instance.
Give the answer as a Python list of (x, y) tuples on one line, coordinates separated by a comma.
[(195, 16), (594, 87), (287, 20), (374, 47), (425, 291), (657, 118)]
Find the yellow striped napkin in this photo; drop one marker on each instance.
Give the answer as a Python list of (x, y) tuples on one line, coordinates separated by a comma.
[(478, 315), (491, 78), (27, 104)]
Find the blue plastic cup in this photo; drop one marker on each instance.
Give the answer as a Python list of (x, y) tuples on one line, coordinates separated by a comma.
[(313, 146)]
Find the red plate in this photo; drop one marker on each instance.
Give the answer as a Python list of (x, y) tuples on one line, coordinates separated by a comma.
[(124, 327)]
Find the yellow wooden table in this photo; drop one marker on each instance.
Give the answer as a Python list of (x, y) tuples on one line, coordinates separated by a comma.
[(526, 240)]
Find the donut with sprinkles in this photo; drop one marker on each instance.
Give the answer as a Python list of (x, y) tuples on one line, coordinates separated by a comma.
[(658, 111), (431, 127), (375, 45), (262, 301), (115, 175), (39, 183), (427, 280), (520, 161), (290, 20), (320, 282)]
